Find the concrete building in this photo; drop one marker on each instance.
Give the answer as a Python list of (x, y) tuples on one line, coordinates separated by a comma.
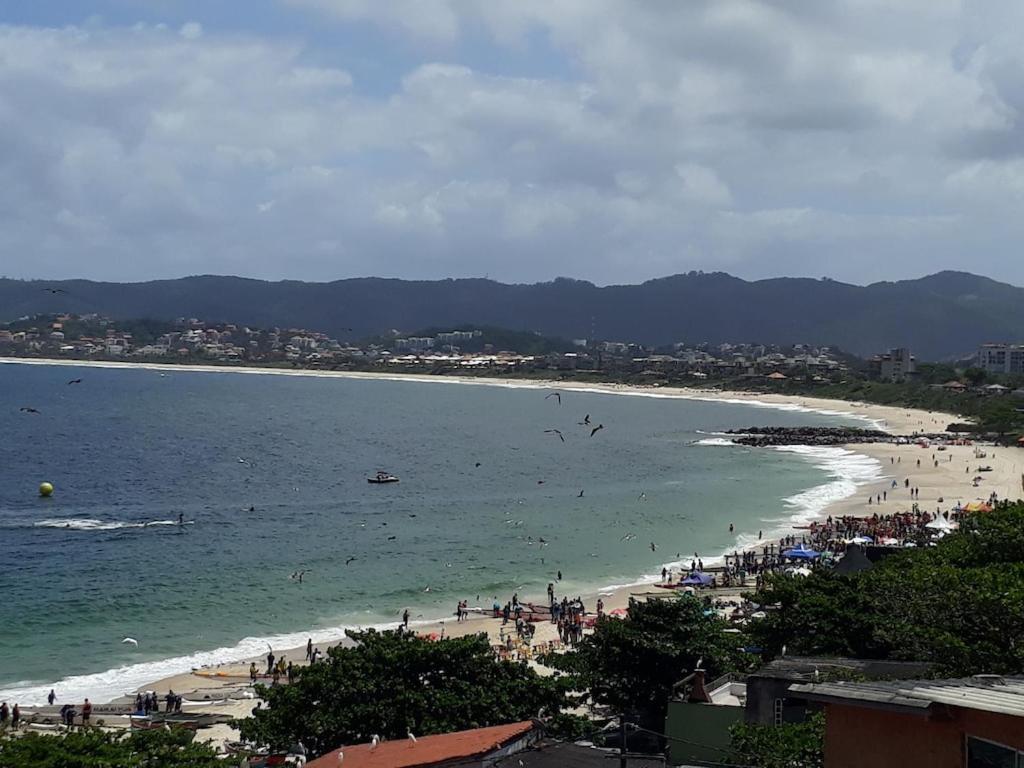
[(1001, 358), (976, 722), (895, 365)]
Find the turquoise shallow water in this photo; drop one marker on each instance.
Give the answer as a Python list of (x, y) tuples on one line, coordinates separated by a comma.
[(131, 450)]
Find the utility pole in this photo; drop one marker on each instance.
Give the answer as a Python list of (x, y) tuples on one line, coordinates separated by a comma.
[(622, 741)]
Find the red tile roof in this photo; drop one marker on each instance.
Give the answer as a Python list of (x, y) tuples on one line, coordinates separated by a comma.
[(426, 750)]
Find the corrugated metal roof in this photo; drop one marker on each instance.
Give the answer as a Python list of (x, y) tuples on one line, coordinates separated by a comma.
[(1004, 695)]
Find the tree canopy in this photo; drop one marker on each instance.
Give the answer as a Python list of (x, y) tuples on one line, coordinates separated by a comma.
[(97, 749), (391, 684), (959, 605), (633, 664)]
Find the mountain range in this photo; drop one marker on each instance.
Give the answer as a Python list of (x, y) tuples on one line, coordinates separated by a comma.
[(941, 316)]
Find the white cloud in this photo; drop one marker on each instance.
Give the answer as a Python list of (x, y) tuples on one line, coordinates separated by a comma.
[(853, 138), (192, 30)]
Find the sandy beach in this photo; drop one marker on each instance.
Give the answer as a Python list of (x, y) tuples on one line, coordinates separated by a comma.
[(944, 479)]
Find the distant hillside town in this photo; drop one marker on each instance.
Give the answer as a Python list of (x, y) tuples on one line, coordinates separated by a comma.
[(996, 368)]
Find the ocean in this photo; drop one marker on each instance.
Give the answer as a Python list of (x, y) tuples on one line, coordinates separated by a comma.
[(269, 474)]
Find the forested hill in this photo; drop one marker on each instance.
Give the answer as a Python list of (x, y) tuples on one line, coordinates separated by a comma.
[(940, 316)]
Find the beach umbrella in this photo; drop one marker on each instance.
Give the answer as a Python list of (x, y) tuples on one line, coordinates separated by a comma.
[(799, 553), (941, 524)]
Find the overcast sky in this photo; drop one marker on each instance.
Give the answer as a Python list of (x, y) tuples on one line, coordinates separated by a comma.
[(607, 140)]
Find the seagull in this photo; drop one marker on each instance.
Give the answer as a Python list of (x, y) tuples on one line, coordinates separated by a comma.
[(555, 432), (585, 422), (596, 429), (426, 589), (392, 538), (130, 641), (53, 290), (74, 381), (477, 464), (642, 496), (654, 547), (580, 494), (557, 395), (349, 560), (299, 574), (28, 410)]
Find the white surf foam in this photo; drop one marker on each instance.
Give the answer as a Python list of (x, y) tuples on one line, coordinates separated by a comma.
[(90, 524), (848, 469), (120, 681), (721, 441)]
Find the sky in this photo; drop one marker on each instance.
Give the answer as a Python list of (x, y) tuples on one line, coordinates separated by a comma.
[(521, 140)]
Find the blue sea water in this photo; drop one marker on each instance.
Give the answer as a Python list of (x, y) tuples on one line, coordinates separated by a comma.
[(269, 473)]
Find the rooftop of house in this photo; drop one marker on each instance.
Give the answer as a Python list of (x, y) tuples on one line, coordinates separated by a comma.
[(987, 693), (555, 754), (426, 750), (800, 668)]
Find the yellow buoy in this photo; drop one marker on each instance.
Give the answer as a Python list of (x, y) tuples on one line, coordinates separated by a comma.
[(45, 489)]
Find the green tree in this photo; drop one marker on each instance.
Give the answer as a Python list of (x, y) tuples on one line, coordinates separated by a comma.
[(391, 684), (959, 605), (98, 749), (791, 745), (632, 665)]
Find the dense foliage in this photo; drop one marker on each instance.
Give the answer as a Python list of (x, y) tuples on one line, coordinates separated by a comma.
[(959, 605), (791, 745), (95, 748), (391, 684), (632, 665)]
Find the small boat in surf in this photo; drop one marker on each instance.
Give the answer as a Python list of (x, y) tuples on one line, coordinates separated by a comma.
[(382, 477)]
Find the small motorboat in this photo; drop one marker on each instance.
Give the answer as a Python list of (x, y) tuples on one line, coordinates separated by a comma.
[(382, 477)]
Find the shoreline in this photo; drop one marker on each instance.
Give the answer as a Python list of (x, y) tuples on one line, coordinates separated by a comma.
[(898, 421)]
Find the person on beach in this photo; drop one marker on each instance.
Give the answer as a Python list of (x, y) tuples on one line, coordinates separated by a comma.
[(86, 713), (664, 574), (731, 527), (15, 717), (291, 673), (4, 714), (138, 703), (559, 575), (405, 619), (270, 662), (169, 702), (253, 673), (52, 697), (309, 649)]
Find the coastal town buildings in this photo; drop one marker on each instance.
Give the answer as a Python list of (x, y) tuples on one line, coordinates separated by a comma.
[(1001, 358), (895, 365), (192, 340)]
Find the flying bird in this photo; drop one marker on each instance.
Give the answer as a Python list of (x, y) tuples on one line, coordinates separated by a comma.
[(580, 494), (555, 432), (392, 538), (557, 395), (130, 641), (53, 290), (654, 547), (28, 410), (585, 422), (596, 429), (74, 381), (477, 464), (351, 559)]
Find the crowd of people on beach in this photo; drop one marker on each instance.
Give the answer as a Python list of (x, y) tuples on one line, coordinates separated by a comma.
[(149, 703)]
